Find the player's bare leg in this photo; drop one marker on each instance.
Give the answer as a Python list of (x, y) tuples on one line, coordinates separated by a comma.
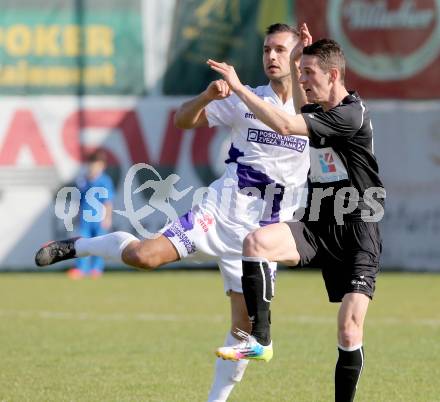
[(117, 246), (239, 314), (350, 363), (229, 373), (149, 253), (274, 243)]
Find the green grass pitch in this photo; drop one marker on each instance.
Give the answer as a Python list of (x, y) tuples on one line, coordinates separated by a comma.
[(151, 337)]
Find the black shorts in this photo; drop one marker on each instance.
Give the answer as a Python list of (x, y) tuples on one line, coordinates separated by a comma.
[(348, 254)]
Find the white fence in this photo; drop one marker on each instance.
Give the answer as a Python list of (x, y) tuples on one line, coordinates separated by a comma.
[(39, 149)]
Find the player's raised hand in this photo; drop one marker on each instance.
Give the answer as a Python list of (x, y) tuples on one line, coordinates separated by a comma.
[(228, 73), (305, 39), (217, 90)]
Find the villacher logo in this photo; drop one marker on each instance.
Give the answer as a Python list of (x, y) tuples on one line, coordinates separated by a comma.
[(403, 35)]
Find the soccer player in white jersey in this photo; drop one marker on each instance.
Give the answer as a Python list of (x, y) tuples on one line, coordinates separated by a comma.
[(341, 233), (263, 183)]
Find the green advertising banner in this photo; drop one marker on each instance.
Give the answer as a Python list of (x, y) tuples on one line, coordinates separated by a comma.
[(223, 30), (71, 47)]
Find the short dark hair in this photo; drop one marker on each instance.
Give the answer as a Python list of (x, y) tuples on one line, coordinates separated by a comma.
[(97, 155), (329, 54), (279, 27)]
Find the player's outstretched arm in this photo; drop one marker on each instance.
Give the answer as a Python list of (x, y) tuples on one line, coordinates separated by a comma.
[(191, 114), (299, 95), (274, 117)]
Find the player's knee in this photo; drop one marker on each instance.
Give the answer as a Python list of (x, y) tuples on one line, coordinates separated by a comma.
[(255, 244), (349, 334), (137, 256)]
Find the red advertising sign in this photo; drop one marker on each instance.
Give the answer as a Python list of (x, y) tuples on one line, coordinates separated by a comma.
[(392, 46)]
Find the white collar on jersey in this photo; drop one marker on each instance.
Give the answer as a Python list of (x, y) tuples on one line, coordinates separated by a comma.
[(268, 91)]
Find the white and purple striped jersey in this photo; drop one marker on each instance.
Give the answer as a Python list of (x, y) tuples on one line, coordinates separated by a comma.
[(265, 181), (267, 171)]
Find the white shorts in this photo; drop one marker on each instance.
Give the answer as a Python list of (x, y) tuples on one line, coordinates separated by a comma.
[(203, 235)]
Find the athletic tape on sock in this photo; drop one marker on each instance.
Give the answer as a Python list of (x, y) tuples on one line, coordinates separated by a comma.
[(350, 348)]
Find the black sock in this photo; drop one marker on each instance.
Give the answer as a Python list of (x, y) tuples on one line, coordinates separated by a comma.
[(348, 371), (257, 290)]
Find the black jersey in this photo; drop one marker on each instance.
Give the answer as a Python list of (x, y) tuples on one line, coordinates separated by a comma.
[(342, 164)]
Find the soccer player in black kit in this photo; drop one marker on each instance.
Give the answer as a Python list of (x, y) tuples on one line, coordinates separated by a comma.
[(340, 232)]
